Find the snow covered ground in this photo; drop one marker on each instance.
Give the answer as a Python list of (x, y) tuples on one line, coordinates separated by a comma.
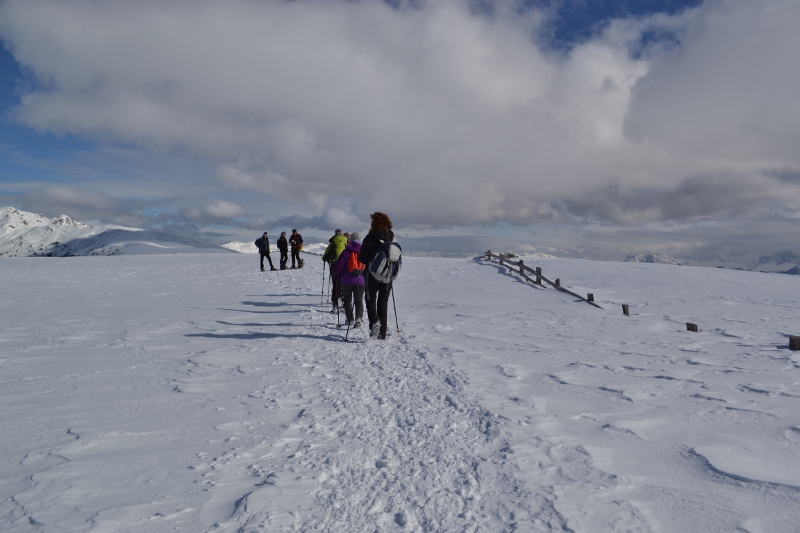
[(190, 392)]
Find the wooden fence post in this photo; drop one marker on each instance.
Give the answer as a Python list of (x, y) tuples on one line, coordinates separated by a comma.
[(691, 327), (794, 343), (538, 275), (590, 297), (489, 255), (625, 310), (558, 282), (521, 267)]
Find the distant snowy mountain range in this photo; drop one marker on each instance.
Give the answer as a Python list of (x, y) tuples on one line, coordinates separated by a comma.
[(24, 234), (784, 262), (652, 258)]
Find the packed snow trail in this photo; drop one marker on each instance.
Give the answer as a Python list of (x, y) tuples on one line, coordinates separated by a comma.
[(384, 440), (192, 393)]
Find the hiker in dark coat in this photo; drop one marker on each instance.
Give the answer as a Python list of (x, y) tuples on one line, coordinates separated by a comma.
[(283, 247), (352, 280), (263, 250), (296, 240), (377, 293)]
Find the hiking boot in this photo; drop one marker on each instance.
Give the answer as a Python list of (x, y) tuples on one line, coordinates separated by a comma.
[(357, 324), (375, 331)]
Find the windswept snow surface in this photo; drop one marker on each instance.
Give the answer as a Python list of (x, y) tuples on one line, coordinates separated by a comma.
[(192, 393)]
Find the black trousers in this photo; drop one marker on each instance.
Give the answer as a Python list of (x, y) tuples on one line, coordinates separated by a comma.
[(337, 289), (350, 293), (268, 259), (378, 303), (295, 256), (284, 259)]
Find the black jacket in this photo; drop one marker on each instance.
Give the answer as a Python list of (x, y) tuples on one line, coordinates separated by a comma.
[(296, 240), (371, 243), (263, 245), (283, 244)]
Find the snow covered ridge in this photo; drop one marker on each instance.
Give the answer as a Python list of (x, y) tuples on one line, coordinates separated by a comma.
[(242, 247), (783, 262), (250, 247), (24, 234), (652, 258)]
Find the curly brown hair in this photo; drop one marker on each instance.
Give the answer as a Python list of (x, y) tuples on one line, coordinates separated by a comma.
[(380, 220)]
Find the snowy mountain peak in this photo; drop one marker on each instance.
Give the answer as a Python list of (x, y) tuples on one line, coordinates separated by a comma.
[(64, 220), (14, 218), (24, 234), (652, 258)]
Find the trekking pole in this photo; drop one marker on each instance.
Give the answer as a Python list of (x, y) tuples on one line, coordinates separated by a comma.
[(394, 304), (338, 321), (322, 291)]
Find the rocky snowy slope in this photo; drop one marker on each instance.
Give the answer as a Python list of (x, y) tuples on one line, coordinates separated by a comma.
[(24, 234), (784, 262), (155, 394)]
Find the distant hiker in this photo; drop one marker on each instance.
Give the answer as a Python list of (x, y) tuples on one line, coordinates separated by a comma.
[(296, 240), (283, 247), (351, 272), (263, 250), (377, 292), (337, 245)]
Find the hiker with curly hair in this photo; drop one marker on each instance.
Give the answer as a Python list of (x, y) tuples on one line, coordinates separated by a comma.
[(377, 293)]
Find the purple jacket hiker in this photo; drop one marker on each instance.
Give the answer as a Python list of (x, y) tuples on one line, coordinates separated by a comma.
[(340, 266)]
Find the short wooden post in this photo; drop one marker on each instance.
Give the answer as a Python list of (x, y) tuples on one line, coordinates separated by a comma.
[(558, 282), (521, 267), (625, 310), (489, 255), (538, 275), (691, 327), (590, 297), (501, 259), (794, 343)]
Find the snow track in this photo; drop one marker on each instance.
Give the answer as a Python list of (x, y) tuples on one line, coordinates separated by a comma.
[(387, 441)]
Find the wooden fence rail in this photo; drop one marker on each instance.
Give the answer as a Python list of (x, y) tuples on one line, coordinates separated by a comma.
[(519, 267)]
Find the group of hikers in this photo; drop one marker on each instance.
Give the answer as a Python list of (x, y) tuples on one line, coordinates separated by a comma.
[(364, 269), (359, 271), (295, 241)]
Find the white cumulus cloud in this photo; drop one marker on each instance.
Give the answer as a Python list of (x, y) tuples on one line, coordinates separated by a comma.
[(435, 112)]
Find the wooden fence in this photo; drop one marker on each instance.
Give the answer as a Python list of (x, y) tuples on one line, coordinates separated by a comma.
[(520, 268)]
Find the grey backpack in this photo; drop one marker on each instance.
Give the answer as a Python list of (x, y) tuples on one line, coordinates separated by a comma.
[(385, 266)]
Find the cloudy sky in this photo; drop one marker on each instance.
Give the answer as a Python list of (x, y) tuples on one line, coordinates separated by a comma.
[(585, 128)]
